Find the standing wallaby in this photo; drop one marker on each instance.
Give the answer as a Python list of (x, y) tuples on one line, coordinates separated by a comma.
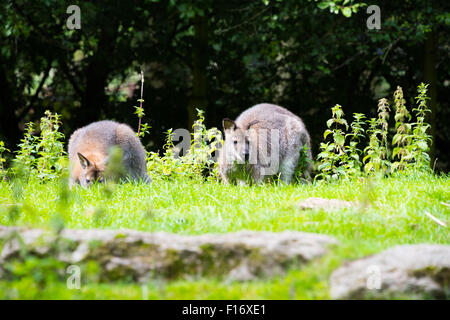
[(89, 149), (264, 140)]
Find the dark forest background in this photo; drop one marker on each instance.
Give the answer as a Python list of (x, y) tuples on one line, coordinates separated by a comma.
[(219, 56)]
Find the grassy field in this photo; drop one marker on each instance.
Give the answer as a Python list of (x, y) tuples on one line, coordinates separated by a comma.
[(392, 212)]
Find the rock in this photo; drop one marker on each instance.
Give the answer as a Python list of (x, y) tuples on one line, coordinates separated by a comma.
[(326, 204), (139, 256), (421, 270)]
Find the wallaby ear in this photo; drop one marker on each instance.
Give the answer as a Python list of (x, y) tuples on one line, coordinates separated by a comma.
[(228, 124), (83, 161)]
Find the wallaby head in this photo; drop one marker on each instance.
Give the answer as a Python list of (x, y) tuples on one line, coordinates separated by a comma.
[(92, 171), (237, 141)]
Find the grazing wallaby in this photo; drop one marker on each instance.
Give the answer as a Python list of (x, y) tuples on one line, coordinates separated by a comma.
[(264, 140), (89, 149)]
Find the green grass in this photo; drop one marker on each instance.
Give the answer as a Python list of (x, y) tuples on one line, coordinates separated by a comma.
[(394, 215)]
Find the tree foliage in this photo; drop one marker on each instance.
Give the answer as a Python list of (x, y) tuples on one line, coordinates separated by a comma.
[(220, 56)]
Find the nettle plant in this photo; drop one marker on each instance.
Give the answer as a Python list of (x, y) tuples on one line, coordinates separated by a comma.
[(420, 140), (338, 159), (402, 137), (42, 155), (205, 146), (377, 151), (27, 149), (198, 153), (383, 122), (304, 163), (333, 154), (410, 143), (143, 127), (374, 150), (50, 150), (354, 153)]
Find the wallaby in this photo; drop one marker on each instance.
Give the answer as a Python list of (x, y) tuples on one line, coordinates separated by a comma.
[(89, 149), (265, 140)]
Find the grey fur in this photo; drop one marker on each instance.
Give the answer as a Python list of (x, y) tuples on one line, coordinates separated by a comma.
[(249, 130), (94, 142)]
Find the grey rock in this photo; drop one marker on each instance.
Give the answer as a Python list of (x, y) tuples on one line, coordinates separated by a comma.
[(140, 256), (421, 270)]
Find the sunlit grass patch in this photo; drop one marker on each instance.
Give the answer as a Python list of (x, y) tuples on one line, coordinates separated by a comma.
[(392, 212)]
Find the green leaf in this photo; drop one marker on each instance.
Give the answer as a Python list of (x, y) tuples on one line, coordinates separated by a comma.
[(339, 138), (322, 155), (365, 158), (396, 139), (326, 133), (347, 12), (395, 151), (422, 145), (323, 166), (323, 5)]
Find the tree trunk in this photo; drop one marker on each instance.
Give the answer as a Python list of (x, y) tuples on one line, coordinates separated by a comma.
[(199, 63), (430, 76), (9, 127), (94, 100)]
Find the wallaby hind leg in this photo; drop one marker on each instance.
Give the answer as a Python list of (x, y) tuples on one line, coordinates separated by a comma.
[(288, 166), (146, 179), (306, 156), (137, 172), (257, 175), (308, 166), (134, 156)]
